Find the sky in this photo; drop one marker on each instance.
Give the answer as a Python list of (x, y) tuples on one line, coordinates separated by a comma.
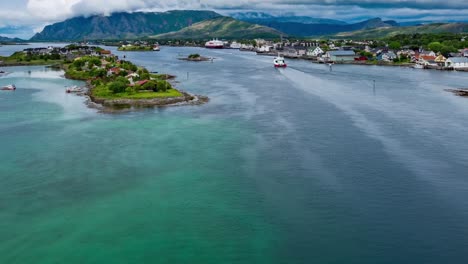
[(22, 18)]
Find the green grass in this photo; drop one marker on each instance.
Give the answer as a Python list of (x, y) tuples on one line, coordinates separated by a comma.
[(135, 48), (102, 92), (12, 62)]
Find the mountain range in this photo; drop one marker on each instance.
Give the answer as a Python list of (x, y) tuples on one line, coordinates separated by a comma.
[(10, 40), (307, 28), (223, 27), (190, 24), (261, 17), (122, 25)]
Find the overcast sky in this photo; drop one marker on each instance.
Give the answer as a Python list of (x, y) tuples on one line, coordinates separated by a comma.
[(23, 17)]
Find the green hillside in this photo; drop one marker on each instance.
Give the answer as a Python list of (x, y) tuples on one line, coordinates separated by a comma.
[(387, 32), (223, 27)]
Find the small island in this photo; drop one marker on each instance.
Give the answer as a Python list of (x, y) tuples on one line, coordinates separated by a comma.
[(112, 84), (130, 47), (196, 57)]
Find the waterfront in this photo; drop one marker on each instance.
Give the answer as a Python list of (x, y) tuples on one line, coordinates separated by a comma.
[(300, 165)]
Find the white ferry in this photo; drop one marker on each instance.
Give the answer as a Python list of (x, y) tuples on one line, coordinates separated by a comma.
[(214, 44), (279, 62)]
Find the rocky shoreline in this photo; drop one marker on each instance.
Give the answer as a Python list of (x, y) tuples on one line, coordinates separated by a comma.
[(458, 92)]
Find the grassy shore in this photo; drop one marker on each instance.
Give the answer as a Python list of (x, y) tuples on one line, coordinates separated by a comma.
[(135, 48), (103, 92)]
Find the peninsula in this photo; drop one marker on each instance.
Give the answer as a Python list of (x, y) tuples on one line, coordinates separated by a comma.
[(111, 83)]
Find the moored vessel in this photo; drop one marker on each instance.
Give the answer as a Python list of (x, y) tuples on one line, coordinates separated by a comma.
[(214, 44), (10, 87)]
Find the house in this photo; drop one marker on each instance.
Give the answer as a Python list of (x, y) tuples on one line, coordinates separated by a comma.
[(290, 52), (264, 48), (465, 53), (428, 53), (113, 71), (440, 60), (105, 53), (340, 55), (387, 56), (457, 63), (315, 52), (426, 60), (301, 51)]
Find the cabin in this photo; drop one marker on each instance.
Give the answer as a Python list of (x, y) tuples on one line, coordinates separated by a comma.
[(340, 55), (457, 63), (114, 71)]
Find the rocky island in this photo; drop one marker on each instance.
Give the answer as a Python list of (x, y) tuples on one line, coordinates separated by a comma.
[(196, 57)]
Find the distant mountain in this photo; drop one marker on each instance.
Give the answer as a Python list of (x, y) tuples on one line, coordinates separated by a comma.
[(222, 27), (10, 40), (122, 25), (421, 29), (260, 17), (302, 29)]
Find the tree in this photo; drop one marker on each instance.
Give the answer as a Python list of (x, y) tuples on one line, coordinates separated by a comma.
[(435, 46), (394, 45), (119, 85)]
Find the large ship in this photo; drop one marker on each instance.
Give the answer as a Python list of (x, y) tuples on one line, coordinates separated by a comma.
[(214, 44)]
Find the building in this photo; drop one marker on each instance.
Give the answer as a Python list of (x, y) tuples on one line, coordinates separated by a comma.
[(457, 63), (465, 53), (440, 60), (340, 55), (315, 52), (387, 56)]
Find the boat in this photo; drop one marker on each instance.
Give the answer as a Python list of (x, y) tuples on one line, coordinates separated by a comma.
[(279, 62), (156, 47), (74, 89), (10, 87), (418, 66), (214, 44), (235, 45)]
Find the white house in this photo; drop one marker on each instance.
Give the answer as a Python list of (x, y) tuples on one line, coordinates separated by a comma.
[(457, 62), (264, 48), (315, 52)]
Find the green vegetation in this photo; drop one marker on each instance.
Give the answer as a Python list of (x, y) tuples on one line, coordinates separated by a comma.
[(112, 81), (389, 32), (135, 48), (222, 27), (27, 58), (194, 56)]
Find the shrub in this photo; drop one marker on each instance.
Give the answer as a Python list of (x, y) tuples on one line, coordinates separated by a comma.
[(194, 56)]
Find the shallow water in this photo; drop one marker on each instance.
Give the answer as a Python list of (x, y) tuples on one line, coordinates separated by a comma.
[(297, 165)]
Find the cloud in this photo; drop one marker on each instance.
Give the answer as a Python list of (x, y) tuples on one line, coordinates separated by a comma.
[(38, 13)]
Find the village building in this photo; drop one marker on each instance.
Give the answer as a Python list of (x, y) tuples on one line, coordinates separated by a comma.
[(314, 52), (457, 63), (340, 55)]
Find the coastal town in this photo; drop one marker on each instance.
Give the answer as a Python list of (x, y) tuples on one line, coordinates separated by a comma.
[(368, 52)]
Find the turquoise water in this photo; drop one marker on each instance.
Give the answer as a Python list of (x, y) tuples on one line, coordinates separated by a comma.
[(300, 165)]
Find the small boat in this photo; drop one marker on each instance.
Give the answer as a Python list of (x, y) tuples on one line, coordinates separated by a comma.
[(418, 66), (279, 62), (10, 87), (156, 47), (214, 44), (74, 89)]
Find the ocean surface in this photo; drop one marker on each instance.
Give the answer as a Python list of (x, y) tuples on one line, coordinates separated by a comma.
[(295, 165)]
